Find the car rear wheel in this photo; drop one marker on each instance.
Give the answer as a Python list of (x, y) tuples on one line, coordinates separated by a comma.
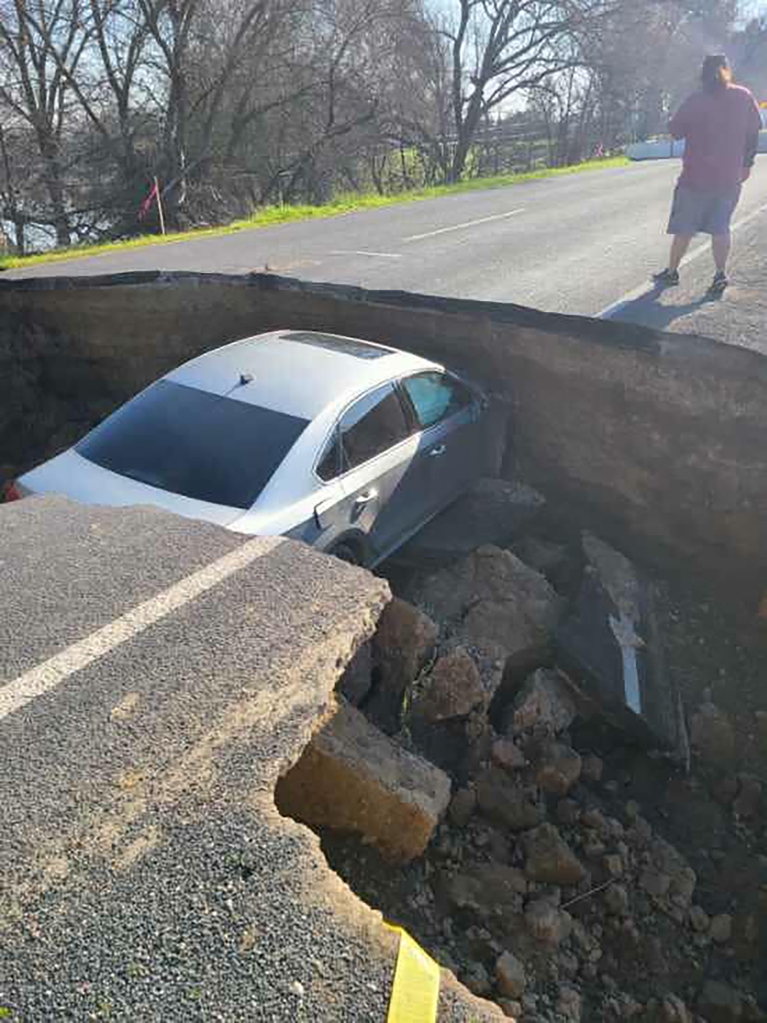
[(346, 552)]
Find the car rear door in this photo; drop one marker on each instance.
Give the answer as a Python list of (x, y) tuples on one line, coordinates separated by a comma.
[(448, 413), (376, 445)]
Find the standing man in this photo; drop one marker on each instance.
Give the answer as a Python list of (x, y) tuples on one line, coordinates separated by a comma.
[(720, 125)]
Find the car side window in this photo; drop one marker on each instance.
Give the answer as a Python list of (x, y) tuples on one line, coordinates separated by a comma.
[(329, 465), (372, 425), (436, 396)]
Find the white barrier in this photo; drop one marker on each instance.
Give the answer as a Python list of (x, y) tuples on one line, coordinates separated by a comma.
[(665, 149)]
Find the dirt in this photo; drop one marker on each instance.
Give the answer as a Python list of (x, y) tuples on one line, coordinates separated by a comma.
[(657, 952)]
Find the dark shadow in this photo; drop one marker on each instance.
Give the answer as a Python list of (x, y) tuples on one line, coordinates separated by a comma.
[(648, 310)]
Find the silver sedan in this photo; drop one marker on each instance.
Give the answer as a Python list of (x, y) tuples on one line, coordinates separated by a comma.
[(345, 444)]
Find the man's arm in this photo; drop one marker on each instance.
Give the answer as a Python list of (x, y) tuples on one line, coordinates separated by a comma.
[(753, 128)]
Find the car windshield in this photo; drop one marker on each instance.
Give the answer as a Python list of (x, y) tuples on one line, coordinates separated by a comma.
[(193, 443)]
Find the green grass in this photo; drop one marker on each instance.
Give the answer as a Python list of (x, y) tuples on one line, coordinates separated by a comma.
[(269, 216)]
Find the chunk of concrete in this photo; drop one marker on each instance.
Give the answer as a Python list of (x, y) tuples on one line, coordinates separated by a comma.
[(491, 598), (452, 690), (543, 704), (510, 975), (493, 511), (352, 777), (559, 768), (404, 640), (611, 646), (550, 859)]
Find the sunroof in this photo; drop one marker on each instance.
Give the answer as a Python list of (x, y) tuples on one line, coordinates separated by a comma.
[(342, 345)]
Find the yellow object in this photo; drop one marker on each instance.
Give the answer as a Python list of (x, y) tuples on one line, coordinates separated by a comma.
[(763, 105), (415, 991)]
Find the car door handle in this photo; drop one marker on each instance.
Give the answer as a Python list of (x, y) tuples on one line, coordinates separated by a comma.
[(438, 451), (362, 499)]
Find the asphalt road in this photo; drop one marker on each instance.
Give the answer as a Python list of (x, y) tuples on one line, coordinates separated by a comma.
[(573, 244), (145, 873)]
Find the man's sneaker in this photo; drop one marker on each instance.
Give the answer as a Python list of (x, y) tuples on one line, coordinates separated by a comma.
[(667, 278), (719, 285)]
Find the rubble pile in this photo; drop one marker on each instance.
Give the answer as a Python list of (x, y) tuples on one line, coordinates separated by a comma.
[(537, 689)]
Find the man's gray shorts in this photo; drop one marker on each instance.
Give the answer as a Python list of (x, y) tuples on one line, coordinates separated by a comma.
[(706, 212)]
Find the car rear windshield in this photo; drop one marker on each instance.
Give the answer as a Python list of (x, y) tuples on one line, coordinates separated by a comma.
[(193, 443)]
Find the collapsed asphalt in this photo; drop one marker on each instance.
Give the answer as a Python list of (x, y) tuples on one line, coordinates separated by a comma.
[(145, 872)]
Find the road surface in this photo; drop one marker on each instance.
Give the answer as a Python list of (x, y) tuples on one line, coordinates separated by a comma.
[(145, 873), (575, 244)]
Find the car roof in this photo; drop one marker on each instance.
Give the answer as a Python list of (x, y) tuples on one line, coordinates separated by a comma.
[(300, 373)]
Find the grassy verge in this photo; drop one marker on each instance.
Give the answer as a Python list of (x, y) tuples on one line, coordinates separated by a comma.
[(269, 216)]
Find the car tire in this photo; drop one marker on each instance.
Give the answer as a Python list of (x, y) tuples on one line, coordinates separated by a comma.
[(345, 552)]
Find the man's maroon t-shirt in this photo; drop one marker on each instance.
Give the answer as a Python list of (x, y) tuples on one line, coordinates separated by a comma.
[(716, 127)]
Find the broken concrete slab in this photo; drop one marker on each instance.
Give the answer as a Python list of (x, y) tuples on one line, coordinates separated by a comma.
[(611, 647), (544, 704), (492, 599), (493, 511), (452, 690), (401, 646), (353, 778)]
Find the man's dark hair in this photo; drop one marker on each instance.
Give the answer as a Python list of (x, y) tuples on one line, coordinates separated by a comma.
[(716, 73)]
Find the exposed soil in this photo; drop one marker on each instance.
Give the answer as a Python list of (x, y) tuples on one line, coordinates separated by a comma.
[(628, 946)]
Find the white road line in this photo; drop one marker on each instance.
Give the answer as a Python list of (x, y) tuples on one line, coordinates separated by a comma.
[(700, 250), (360, 252), (460, 227), (51, 673)]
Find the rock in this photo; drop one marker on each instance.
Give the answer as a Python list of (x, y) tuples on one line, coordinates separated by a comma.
[(505, 754), (673, 1010), (511, 1008), (719, 1003), (613, 864), (721, 928), (547, 923), (655, 883), (550, 859), (569, 1003), (592, 768), (617, 900), (354, 685), (353, 778), (611, 645), (668, 862), (748, 801), (477, 980), (559, 768), (404, 640), (544, 704), (452, 690), (508, 802), (491, 597), (462, 807), (568, 811), (492, 511), (699, 919), (510, 975), (595, 820), (490, 889), (712, 735)]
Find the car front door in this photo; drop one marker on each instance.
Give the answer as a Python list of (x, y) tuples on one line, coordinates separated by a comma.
[(376, 445), (448, 415)]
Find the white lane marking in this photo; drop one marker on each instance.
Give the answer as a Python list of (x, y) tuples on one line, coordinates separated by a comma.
[(700, 250), (460, 227), (51, 673), (361, 252)]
